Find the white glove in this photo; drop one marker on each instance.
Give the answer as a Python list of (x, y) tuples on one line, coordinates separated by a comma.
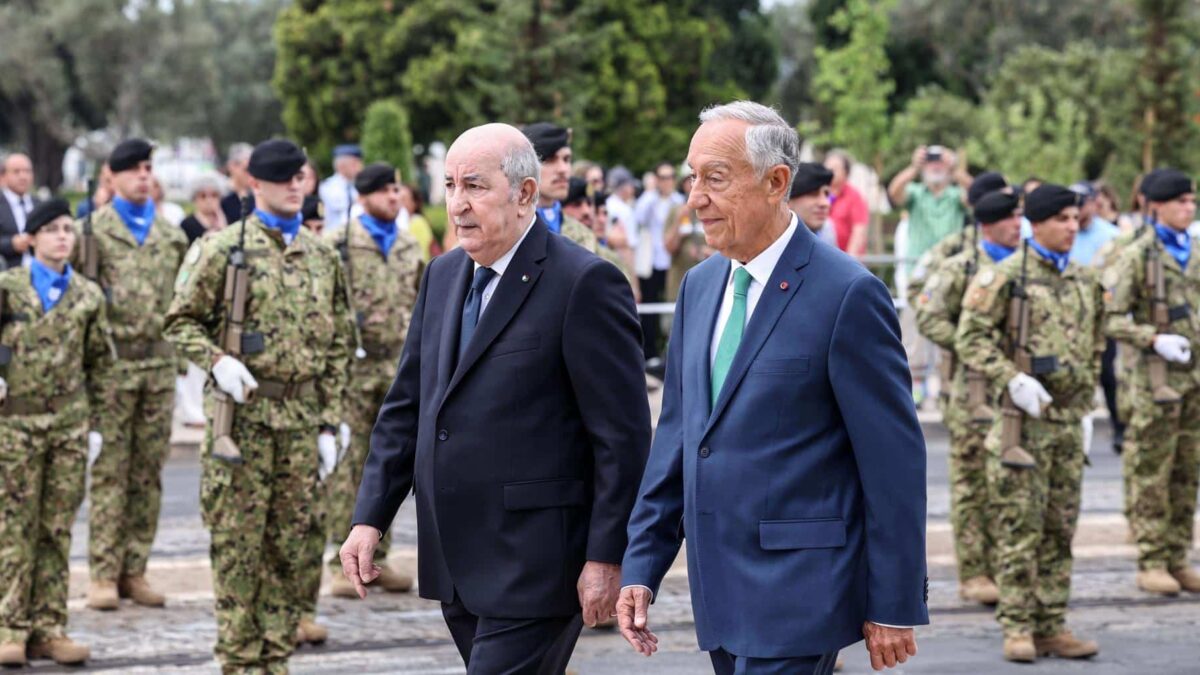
[(1028, 394), (327, 451), (1088, 428), (94, 443), (3, 389), (344, 436), (233, 378), (1174, 348)]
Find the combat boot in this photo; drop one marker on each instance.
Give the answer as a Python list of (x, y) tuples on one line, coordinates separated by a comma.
[(308, 630), (1065, 645), (341, 587), (136, 588), (392, 581), (12, 654), (1157, 581), (979, 589), (61, 650), (102, 595), (1019, 647), (1188, 578)]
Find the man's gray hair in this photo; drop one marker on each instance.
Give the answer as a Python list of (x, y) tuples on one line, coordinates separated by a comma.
[(520, 161), (240, 152), (770, 140)]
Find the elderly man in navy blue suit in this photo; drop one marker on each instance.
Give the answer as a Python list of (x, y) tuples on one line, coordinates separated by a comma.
[(518, 418), (788, 451)]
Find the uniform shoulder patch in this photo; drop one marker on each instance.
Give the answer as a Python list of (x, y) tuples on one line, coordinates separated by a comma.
[(984, 289), (987, 277)]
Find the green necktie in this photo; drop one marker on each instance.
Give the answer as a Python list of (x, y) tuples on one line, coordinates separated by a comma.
[(732, 336)]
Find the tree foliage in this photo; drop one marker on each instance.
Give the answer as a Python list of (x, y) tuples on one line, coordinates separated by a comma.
[(627, 76), (386, 137)]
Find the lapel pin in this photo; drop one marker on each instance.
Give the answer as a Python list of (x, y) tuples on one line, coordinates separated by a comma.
[(524, 278), (783, 285)]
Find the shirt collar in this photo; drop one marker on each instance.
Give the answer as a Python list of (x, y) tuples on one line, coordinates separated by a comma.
[(502, 263), (763, 264), (14, 198)]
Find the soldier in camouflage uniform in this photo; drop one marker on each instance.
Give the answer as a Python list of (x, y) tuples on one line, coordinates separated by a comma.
[(1035, 509), (1162, 442), (383, 270), (553, 146), (299, 329), (938, 310), (139, 253), (55, 350)]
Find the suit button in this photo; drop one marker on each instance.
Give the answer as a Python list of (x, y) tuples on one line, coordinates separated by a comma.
[(443, 435), (704, 452)]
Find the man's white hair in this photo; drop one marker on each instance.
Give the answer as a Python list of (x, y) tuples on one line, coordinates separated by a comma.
[(770, 141), (240, 152), (520, 161)]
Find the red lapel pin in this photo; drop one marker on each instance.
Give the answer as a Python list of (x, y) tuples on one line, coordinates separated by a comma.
[(783, 285)]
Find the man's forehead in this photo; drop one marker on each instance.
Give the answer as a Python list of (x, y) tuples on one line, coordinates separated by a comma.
[(721, 142)]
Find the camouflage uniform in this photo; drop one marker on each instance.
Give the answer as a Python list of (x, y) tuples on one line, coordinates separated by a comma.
[(1162, 442), (580, 234), (383, 294), (950, 245), (1035, 510), (56, 358), (261, 512), (938, 310), (138, 393)]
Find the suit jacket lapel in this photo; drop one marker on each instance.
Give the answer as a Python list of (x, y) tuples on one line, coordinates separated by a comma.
[(785, 281), (707, 307), (514, 286), (460, 280)]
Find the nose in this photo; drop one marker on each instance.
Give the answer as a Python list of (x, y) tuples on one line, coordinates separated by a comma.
[(696, 198), (456, 205)]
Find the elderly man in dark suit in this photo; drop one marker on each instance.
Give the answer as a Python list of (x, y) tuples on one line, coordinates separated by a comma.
[(16, 187), (518, 417)]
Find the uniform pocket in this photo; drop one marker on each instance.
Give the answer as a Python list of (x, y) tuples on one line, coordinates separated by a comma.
[(783, 535)]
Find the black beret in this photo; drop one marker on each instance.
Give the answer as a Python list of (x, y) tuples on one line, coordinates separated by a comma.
[(375, 177), (576, 192), (276, 160), (45, 212), (547, 138), (996, 206), (128, 154), (810, 177), (984, 183), (312, 209), (1046, 201), (1167, 185), (599, 198)]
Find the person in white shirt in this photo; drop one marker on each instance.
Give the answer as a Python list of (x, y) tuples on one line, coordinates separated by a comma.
[(337, 192), (653, 260), (17, 181)]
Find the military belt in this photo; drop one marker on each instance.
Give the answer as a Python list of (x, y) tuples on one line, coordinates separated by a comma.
[(378, 350), (136, 350), (1179, 312), (283, 391), (36, 405), (1044, 365)]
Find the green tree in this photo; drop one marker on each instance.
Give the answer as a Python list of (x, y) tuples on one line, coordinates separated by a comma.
[(933, 116), (1166, 87), (386, 137)]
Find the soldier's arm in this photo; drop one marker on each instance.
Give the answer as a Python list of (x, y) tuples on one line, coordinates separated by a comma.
[(935, 307), (331, 386), (1098, 339), (98, 358), (981, 327), (1124, 282), (195, 309)]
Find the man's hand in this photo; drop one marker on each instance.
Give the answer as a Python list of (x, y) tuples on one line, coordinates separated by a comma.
[(21, 242), (632, 607), (358, 557), (233, 378), (888, 646), (598, 586), (918, 157)]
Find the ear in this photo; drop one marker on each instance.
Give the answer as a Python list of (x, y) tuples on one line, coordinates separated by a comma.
[(528, 192), (779, 182)]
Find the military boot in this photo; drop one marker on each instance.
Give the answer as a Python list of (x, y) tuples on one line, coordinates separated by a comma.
[(102, 595), (1019, 647), (979, 589), (1188, 578), (1065, 645), (311, 632), (61, 650), (341, 587), (1157, 581), (136, 588), (392, 581), (12, 654)]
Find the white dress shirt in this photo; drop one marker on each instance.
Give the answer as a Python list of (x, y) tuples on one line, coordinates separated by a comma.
[(760, 269), (499, 267), (20, 205)]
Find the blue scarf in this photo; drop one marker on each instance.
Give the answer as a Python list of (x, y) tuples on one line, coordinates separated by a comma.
[(288, 226), (1177, 243), (137, 218), (50, 285), (1059, 260), (553, 217), (995, 251), (382, 231)]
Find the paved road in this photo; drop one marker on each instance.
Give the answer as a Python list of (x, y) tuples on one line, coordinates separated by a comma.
[(403, 634)]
